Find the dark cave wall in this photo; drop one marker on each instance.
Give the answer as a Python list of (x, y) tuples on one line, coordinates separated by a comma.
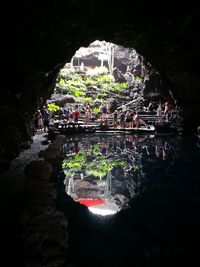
[(39, 37)]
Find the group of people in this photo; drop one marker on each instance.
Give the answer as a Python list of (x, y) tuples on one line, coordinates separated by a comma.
[(122, 119), (41, 119), (115, 119), (71, 114), (108, 116), (163, 111)]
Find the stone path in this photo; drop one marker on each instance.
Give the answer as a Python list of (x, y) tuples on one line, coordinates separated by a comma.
[(12, 181), (12, 184)]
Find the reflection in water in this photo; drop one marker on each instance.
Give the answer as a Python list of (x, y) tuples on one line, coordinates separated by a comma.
[(106, 172), (161, 227)]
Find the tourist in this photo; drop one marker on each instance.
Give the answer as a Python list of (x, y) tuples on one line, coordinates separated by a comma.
[(35, 119), (122, 119), (71, 111), (76, 115), (115, 121), (159, 112), (131, 115), (46, 117), (167, 110), (67, 115), (127, 118), (137, 120), (87, 117), (88, 107), (40, 120), (103, 122), (104, 110), (108, 107)]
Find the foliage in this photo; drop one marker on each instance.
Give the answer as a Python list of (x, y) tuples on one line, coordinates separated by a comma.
[(71, 82), (138, 79), (96, 110), (87, 100), (52, 107)]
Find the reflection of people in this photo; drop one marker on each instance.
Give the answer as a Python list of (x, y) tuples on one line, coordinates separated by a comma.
[(164, 151), (104, 148), (157, 150), (74, 148), (87, 144), (136, 142)]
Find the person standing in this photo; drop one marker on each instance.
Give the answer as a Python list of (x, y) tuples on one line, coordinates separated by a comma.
[(159, 112), (131, 115), (122, 119), (115, 121), (40, 120), (46, 117), (167, 110), (137, 120), (76, 115), (87, 117)]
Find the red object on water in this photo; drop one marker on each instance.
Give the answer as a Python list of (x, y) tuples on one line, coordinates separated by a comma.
[(89, 202)]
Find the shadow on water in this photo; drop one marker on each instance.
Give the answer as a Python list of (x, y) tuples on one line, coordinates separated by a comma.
[(160, 225)]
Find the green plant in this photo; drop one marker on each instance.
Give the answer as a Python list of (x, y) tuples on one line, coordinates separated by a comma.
[(96, 110), (87, 100), (52, 107)]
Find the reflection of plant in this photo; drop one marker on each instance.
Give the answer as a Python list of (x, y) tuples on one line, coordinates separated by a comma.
[(74, 163), (91, 162), (135, 168), (100, 166)]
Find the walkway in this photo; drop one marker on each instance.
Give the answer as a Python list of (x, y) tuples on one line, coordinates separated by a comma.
[(11, 199), (12, 181)]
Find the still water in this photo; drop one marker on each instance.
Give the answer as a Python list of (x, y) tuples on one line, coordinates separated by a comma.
[(149, 188), (106, 171)]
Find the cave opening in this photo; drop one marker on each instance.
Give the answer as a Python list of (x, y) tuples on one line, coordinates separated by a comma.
[(106, 82), (124, 75), (116, 78)]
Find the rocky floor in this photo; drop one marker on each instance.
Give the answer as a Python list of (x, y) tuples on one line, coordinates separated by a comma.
[(12, 181), (33, 232)]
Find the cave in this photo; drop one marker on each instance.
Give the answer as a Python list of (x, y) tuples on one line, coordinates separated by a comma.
[(38, 39)]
